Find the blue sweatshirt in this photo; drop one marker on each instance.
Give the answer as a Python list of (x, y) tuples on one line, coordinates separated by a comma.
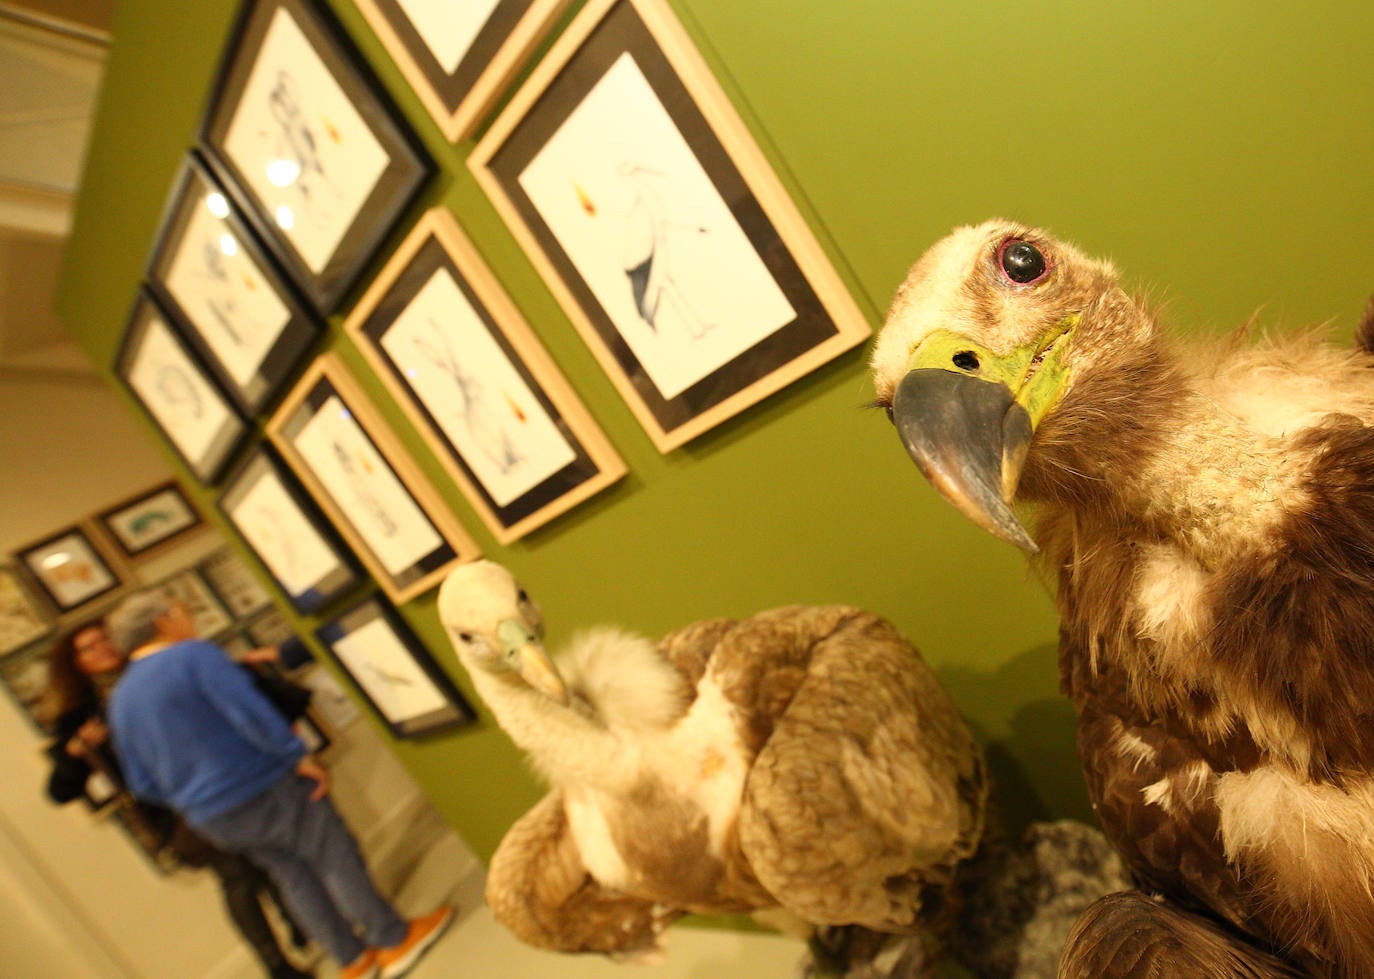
[(193, 733)]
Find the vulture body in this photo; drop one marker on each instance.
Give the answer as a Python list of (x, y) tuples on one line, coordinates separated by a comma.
[(1208, 510), (803, 759)]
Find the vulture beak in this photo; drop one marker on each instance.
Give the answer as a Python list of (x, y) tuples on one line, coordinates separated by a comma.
[(966, 416), (526, 655)]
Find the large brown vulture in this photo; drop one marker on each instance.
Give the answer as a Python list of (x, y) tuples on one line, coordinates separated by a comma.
[(1208, 510), (804, 758)]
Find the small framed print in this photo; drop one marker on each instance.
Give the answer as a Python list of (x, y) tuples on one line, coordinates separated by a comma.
[(376, 496), (25, 675), (459, 56), (143, 523), (161, 372), (207, 612), (222, 291), (23, 618), (237, 588), (459, 358), (394, 672), (69, 568), (287, 533), (302, 132), (638, 193)]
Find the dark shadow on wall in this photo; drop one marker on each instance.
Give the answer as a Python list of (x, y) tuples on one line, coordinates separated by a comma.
[(1026, 728)]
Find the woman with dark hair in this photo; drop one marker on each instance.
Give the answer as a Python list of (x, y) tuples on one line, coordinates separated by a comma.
[(83, 668)]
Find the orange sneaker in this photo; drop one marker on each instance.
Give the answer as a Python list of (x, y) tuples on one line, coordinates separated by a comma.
[(363, 967), (424, 932)]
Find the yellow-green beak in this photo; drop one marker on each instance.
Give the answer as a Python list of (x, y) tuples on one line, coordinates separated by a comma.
[(966, 416), (525, 654)]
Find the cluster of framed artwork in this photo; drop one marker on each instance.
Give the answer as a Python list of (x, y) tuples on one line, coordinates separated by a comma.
[(620, 168)]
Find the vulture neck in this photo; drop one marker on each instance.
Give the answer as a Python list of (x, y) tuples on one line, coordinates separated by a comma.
[(1146, 453), (565, 745)]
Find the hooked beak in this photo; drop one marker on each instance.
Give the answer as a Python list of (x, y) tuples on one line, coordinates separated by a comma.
[(527, 656), (967, 416), (969, 437)]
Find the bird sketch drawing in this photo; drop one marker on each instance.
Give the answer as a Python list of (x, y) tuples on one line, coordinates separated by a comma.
[(487, 424), (218, 292), (358, 474), (802, 761), (649, 254), (177, 392), (297, 160), (1207, 508)]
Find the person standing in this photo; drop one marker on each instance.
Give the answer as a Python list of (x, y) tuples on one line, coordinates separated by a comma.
[(195, 734), (83, 665)]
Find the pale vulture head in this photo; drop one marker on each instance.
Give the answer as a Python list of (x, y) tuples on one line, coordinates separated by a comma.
[(496, 628), (986, 339)]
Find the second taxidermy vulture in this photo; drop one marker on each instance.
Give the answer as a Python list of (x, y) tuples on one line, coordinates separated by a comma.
[(1208, 510), (804, 759)]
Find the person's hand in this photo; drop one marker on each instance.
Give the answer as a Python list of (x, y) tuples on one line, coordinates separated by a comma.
[(309, 768), (90, 735)]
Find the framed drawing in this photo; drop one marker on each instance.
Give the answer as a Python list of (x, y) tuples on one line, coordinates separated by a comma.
[(459, 56), (638, 193), (286, 532), (459, 358), (69, 568), (207, 612), (224, 294), (304, 134), (24, 674), (23, 618), (154, 517), (376, 496), (176, 392), (237, 588), (394, 672)]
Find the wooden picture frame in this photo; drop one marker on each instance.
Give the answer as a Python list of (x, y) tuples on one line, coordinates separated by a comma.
[(24, 618), (177, 392), (459, 358), (637, 191), (143, 523), (334, 440), (458, 57), (225, 295), (69, 568), (394, 672), (304, 135), (286, 532)]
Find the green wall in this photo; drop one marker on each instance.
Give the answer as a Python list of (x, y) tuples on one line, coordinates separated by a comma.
[(1222, 153)]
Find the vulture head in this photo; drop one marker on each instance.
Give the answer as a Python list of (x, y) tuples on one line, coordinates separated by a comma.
[(497, 629), (987, 345)]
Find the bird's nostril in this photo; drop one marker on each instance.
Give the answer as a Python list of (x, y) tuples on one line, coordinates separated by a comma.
[(966, 360)]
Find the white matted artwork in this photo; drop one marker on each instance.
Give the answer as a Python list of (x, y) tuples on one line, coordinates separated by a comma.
[(286, 533), (178, 394), (394, 672), (452, 347), (150, 519), (378, 499), (645, 204), (303, 134), (69, 568), (459, 56)]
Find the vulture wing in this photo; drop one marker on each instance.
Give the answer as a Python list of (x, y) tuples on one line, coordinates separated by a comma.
[(539, 889), (1130, 936), (868, 789)]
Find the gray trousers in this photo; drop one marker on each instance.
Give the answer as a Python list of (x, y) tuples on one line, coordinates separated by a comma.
[(315, 861)]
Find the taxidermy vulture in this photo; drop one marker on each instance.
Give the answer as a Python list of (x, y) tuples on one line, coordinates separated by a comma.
[(1209, 512), (804, 759)]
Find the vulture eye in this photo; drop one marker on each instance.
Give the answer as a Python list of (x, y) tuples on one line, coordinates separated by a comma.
[(966, 360), (1021, 262)]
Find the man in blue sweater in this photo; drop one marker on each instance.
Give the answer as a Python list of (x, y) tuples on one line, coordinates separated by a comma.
[(194, 734)]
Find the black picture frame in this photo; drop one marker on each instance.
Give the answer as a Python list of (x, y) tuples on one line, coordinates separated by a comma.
[(275, 517), (223, 292), (142, 524), (177, 392), (298, 121), (393, 671), (70, 568), (644, 202)]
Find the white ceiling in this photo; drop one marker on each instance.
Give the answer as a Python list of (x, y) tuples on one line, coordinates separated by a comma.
[(50, 73)]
